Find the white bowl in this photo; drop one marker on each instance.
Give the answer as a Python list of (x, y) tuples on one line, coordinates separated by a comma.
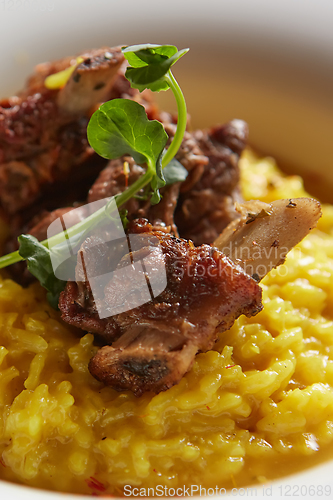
[(268, 62)]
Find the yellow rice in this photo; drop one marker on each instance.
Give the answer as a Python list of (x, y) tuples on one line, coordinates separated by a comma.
[(256, 407)]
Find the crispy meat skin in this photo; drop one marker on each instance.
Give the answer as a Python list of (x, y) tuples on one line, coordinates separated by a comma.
[(154, 345)]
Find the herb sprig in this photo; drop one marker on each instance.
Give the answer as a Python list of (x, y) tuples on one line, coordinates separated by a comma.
[(120, 127)]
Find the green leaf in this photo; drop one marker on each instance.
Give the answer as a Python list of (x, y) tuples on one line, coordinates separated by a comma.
[(149, 65), (120, 127), (157, 86), (174, 172), (40, 265), (171, 173), (148, 53)]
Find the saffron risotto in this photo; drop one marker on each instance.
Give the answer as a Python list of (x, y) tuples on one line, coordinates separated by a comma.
[(258, 406)]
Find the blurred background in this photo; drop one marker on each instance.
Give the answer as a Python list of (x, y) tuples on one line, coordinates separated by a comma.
[(268, 62)]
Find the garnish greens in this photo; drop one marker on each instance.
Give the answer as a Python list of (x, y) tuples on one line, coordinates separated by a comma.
[(120, 127), (40, 265)]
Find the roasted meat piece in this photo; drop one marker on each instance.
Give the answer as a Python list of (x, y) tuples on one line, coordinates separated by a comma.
[(30, 122), (203, 205), (154, 344), (43, 132), (113, 180)]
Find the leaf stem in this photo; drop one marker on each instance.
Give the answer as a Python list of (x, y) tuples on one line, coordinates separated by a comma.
[(96, 217), (9, 259), (181, 122)]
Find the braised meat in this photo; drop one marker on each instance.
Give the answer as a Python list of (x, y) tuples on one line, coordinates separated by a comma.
[(30, 122), (203, 205), (154, 344), (207, 208), (43, 141), (113, 180), (22, 181), (43, 131)]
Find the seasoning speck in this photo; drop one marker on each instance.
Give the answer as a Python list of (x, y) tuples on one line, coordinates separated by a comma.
[(99, 85)]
